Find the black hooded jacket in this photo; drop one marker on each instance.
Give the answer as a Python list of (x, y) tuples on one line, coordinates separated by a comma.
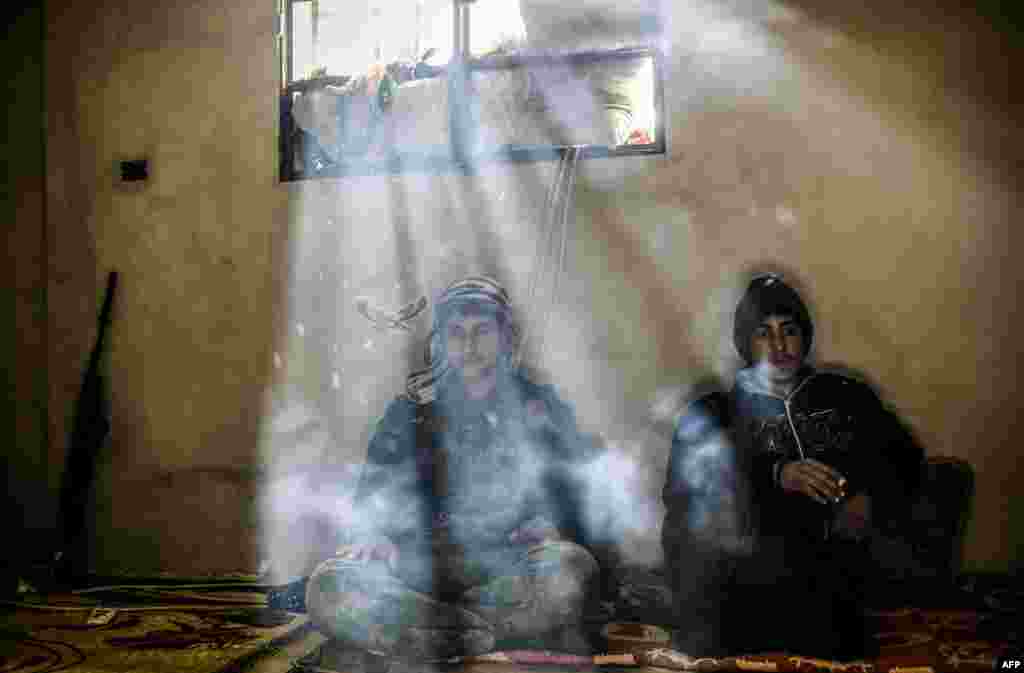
[(752, 433)]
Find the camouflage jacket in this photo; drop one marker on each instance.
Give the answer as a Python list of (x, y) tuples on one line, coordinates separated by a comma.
[(473, 471)]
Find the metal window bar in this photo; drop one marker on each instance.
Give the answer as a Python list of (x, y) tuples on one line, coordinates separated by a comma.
[(459, 71)]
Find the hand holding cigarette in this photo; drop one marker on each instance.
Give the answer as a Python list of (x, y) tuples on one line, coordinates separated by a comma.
[(814, 479)]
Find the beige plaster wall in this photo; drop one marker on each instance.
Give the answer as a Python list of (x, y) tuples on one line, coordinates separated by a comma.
[(192, 89), (863, 164)]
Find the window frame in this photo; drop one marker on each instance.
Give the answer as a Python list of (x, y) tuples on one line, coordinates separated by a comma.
[(462, 66)]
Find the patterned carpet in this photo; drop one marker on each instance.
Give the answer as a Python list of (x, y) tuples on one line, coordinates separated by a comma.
[(963, 631), (152, 638), (909, 639)]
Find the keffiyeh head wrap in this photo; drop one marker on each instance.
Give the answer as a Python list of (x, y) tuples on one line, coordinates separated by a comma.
[(475, 294)]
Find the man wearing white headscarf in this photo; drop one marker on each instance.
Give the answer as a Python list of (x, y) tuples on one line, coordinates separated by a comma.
[(469, 526)]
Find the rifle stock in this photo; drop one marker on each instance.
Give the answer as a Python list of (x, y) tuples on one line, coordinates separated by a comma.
[(89, 430)]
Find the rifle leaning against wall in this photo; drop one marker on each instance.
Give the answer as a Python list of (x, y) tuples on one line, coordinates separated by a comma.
[(89, 430)]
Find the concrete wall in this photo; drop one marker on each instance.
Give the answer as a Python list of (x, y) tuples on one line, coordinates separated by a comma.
[(865, 164)]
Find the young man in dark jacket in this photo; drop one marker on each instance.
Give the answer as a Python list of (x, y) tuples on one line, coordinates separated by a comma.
[(467, 523), (772, 490)]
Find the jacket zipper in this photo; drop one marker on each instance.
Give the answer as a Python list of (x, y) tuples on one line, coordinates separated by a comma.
[(792, 427), (789, 415), (826, 526)]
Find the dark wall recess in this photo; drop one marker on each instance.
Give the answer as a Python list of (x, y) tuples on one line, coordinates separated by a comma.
[(134, 170)]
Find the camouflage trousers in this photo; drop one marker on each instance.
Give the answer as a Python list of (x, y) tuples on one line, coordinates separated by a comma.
[(445, 603)]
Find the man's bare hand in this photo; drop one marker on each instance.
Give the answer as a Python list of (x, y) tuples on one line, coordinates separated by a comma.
[(377, 550), (814, 479), (854, 517)]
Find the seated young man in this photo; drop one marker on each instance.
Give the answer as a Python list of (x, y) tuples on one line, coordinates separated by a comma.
[(771, 491), (467, 535)]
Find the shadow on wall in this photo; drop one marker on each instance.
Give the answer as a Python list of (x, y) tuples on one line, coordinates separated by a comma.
[(27, 471), (662, 311)]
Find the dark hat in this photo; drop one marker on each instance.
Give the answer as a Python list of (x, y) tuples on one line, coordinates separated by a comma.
[(769, 295)]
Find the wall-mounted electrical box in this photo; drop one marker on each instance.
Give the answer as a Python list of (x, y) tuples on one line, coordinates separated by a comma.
[(134, 170)]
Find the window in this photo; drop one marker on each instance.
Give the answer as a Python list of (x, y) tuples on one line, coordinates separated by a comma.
[(433, 84)]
